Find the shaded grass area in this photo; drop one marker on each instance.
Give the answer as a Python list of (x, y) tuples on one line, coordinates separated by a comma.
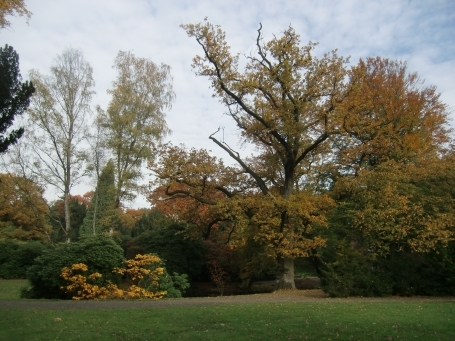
[(247, 321), (10, 289)]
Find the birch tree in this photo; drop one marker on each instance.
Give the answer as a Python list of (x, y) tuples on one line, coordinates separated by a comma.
[(59, 117)]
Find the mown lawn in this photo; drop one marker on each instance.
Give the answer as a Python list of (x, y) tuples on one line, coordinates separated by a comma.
[(324, 320), (10, 289)]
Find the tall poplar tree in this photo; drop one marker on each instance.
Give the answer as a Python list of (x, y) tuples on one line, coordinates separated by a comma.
[(135, 117)]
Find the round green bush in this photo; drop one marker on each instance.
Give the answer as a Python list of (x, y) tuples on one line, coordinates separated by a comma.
[(101, 254), (17, 256)]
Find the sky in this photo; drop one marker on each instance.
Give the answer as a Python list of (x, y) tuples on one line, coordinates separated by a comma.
[(420, 32)]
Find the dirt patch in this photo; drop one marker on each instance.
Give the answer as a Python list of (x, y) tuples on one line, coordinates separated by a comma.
[(309, 296)]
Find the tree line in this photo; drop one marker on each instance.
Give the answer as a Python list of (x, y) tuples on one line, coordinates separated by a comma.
[(351, 174), (66, 140)]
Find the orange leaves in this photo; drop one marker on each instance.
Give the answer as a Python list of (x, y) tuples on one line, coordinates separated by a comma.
[(390, 115), (83, 286), (23, 210), (191, 185), (130, 217), (79, 284)]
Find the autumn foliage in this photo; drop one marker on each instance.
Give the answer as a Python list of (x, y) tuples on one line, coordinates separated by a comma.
[(354, 144), (352, 169), (85, 285), (23, 209)]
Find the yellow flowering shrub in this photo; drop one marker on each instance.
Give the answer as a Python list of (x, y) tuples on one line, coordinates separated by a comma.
[(140, 274)]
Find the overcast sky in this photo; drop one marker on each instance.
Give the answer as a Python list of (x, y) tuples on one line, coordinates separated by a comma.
[(420, 32)]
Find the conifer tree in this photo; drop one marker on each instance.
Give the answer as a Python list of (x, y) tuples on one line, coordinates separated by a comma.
[(102, 213)]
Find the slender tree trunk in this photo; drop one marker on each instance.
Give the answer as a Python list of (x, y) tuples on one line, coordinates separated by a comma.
[(67, 218), (95, 210), (67, 188)]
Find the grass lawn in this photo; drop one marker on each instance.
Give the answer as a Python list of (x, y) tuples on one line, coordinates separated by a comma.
[(10, 289), (325, 320)]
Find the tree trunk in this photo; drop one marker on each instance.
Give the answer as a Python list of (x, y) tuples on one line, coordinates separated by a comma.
[(67, 218), (286, 279), (95, 211)]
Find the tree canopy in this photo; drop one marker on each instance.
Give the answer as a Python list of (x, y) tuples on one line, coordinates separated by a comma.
[(315, 124), (59, 114), (12, 7), (14, 96), (135, 117)]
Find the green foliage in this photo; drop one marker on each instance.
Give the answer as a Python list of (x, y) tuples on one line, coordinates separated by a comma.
[(16, 257), (78, 210), (349, 270), (101, 254), (102, 215), (431, 274), (14, 95), (392, 231), (355, 274), (439, 271), (182, 255), (175, 285), (150, 221)]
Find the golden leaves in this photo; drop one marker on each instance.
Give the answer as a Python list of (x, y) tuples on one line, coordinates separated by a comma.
[(389, 114), (12, 7), (23, 210), (137, 269), (405, 205)]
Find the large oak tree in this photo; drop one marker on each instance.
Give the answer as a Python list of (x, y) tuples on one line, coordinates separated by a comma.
[(286, 103)]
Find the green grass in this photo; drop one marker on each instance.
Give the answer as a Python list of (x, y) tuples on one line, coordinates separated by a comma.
[(10, 289), (325, 320), (286, 321)]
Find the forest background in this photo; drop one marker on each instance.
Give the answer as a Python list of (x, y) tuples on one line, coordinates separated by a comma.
[(369, 154)]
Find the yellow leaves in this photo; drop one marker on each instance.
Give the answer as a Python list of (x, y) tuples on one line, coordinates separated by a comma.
[(82, 287), (12, 7), (400, 204), (79, 266)]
